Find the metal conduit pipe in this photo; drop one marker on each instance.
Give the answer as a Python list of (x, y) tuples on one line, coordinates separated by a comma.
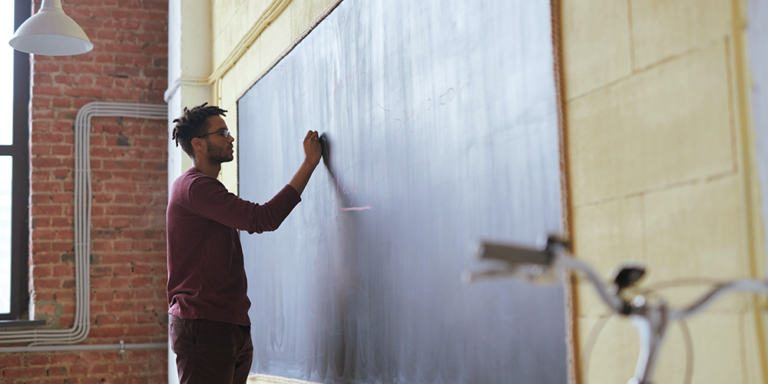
[(87, 347), (81, 327)]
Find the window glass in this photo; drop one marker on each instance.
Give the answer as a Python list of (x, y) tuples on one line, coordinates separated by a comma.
[(6, 77), (6, 166)]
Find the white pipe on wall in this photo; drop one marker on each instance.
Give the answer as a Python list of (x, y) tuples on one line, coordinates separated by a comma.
[(273, 10), (60, 338), (86, 347)]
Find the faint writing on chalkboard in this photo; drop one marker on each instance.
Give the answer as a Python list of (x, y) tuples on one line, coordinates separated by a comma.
[(347, 192), (404, 115)]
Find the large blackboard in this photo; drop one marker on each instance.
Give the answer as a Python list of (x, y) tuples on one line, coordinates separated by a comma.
[(441, 122)]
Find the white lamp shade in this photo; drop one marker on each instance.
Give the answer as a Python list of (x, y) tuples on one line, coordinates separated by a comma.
[(51, 32)]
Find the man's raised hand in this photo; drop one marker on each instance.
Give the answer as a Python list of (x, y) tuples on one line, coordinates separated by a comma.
[(312, 148)]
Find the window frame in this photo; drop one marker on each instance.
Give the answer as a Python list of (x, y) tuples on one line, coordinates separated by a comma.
[(20, 192)]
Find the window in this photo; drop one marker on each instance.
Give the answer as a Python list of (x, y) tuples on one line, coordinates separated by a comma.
[(14, 166)]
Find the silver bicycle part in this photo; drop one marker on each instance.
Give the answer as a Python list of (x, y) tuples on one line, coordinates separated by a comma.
[(549, 262)]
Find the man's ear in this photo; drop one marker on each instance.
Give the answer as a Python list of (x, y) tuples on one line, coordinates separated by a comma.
[(197, 144)]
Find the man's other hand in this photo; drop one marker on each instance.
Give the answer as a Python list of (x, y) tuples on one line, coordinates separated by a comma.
[(312, 148)]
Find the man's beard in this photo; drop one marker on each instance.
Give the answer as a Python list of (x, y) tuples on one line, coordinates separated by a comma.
[(217, 155)]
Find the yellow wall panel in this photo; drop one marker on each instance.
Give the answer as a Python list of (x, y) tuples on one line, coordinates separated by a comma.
[(619, 236), (673, 356), (223, 43), (235, 82), (613, 357), (666, 28), (695, 240), (221, 18), (232, 23), (596, 48), (304, 13), (663, 126), (717, 351), (276, 38), (608, 234), (222, 12), (717, 343), (696, 231), (685, 289), (750, 340)]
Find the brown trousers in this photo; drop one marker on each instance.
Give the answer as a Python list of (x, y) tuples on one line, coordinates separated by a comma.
[(210, 351)]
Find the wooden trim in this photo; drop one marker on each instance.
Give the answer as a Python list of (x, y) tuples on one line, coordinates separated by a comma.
[(570, 284), (745, 149)]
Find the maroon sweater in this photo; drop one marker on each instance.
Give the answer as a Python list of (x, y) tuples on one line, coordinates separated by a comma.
[(206, 276)]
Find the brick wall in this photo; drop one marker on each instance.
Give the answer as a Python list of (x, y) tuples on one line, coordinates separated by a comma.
[(128, 161)]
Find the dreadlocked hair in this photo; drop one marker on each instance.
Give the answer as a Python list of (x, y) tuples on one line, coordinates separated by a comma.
[(193, 123)]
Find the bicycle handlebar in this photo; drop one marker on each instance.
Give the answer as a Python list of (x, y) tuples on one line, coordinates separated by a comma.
[(561, 260), (754, 286), (650, 320), (613, 301)]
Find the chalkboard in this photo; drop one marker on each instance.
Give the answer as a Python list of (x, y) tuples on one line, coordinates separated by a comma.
[(442, 130)]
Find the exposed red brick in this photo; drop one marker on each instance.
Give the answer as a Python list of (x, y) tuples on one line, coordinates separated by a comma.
[(63, 246), (44, 210), (15, 373), (63, 270), (43, 78), (45, 67), (33, 359), (128, 64), (40, 271), (38, 234), (79, 370), (10, 360), (44, 102), (65, 359)]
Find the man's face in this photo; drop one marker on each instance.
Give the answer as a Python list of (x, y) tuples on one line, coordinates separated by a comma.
[(220, 148)]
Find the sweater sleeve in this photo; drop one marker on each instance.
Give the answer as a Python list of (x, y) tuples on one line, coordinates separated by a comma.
[(209, 198)]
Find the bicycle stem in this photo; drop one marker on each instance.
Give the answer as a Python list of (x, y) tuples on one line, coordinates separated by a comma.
[(611, 300), (651, 325), (650, 320)]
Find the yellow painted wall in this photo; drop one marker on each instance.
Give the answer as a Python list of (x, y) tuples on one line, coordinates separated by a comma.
[(232, 21), (660, 165), (660, 162)]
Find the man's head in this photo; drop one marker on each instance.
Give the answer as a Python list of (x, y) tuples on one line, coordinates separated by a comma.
[(201, 130)]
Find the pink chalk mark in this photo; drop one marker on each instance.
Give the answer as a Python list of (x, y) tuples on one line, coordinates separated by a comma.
[(407, 118), (449, 93), (372, 94), (354, 208)]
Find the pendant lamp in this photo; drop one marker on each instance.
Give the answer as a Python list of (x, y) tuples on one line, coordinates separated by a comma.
[(51, 32)]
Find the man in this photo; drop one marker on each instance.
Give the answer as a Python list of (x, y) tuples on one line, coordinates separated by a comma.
[(207, 288)]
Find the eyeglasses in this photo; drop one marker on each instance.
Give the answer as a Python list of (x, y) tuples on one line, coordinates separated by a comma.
[(223, 132)]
